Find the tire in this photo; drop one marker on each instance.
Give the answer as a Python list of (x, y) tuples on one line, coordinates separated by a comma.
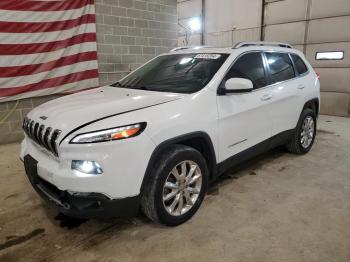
[(154, 202), (295, 145)]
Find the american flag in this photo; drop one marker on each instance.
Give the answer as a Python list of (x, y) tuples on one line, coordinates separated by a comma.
[(46, 47)]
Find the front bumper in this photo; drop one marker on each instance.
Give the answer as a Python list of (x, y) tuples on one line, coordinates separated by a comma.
[(87, 205), (121, 177)]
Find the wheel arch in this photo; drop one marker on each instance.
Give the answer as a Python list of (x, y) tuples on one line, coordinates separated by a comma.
[(197, 140), (313, 104)]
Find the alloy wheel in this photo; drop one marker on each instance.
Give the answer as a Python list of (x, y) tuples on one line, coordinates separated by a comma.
[(182, 188), (307, 132)]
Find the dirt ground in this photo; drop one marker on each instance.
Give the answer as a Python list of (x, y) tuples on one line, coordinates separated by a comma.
[(278, 207)]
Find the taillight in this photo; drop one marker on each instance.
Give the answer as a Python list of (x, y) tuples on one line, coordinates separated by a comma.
[(318, 76)]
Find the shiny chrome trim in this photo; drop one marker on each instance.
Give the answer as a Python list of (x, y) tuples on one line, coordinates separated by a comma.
[(180, 48), (31, 129), (262, 88), (43, 136), (40, 134), (234, 144), (261, 43), (46, 138)]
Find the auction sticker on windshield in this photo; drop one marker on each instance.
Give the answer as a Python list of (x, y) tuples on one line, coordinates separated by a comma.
[(207, 56)]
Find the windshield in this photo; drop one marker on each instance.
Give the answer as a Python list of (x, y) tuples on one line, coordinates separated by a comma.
[(178, 73)]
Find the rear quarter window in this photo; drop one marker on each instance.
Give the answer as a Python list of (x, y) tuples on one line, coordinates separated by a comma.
[(299, 64)]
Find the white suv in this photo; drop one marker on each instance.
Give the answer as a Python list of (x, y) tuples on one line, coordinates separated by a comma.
[(159, 136)]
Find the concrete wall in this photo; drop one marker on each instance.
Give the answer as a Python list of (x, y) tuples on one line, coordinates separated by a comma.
[(129, 33), (309, 25), (226, 21)]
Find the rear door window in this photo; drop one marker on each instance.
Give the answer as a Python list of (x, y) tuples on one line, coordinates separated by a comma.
[(299, 64), (281, 67)]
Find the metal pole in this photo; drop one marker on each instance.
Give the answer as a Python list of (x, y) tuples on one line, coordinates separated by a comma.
[(307, 23), (203, 23), (262, 26)]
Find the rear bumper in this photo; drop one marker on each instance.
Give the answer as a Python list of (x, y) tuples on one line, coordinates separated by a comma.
[(80, 205)]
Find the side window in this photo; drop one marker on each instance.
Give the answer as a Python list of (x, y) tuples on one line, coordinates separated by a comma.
[(281, 67), (249, 66), (299, 64)]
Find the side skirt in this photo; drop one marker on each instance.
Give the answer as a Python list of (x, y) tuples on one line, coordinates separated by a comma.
[(256, 150)]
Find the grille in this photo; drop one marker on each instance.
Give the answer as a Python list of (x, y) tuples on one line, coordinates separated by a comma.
[(43, 136)]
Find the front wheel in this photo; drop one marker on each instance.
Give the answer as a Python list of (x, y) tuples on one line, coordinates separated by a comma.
[(304, 134), (177, 187)]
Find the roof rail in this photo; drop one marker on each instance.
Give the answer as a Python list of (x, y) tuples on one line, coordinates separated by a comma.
[(262, 43), (188, 47)]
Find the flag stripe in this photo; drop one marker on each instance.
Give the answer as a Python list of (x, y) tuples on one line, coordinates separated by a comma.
[(13, 82), (30, 59), (33, 38), (21, 5), (34, 27), (22, 49), (62, 89), (13, 71), (39, 17), (46, 47), (50, 83)]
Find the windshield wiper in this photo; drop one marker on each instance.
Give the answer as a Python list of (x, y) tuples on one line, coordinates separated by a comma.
[(142, 87), (117, 84)]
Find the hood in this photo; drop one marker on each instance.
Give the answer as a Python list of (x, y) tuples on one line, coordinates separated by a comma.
[(69, 112)]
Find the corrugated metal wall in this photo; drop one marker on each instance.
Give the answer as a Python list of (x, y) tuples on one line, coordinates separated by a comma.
[(310, 25), (187, 9), (315, 26), (226, 21)]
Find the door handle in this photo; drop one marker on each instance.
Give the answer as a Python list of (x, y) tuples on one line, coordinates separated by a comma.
[(266, 97), (301, 86)]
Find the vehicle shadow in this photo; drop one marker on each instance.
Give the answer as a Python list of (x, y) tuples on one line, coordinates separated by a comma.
[(248, 167), (96, 232)]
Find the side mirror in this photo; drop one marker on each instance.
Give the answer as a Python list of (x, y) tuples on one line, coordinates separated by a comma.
[(234, 85)]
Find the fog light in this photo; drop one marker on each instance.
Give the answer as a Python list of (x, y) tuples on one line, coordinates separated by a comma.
[(87, 167)]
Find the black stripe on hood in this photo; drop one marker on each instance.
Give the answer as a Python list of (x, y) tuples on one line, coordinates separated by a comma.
[(105, 117)]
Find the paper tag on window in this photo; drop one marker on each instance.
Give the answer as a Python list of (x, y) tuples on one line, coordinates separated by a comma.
[(207, 56)]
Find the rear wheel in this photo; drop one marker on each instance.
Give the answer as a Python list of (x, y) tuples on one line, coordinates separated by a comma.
[(304, 134), (178, 185)]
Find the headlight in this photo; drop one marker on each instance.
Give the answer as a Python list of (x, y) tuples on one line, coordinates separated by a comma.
[(116, 133)]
